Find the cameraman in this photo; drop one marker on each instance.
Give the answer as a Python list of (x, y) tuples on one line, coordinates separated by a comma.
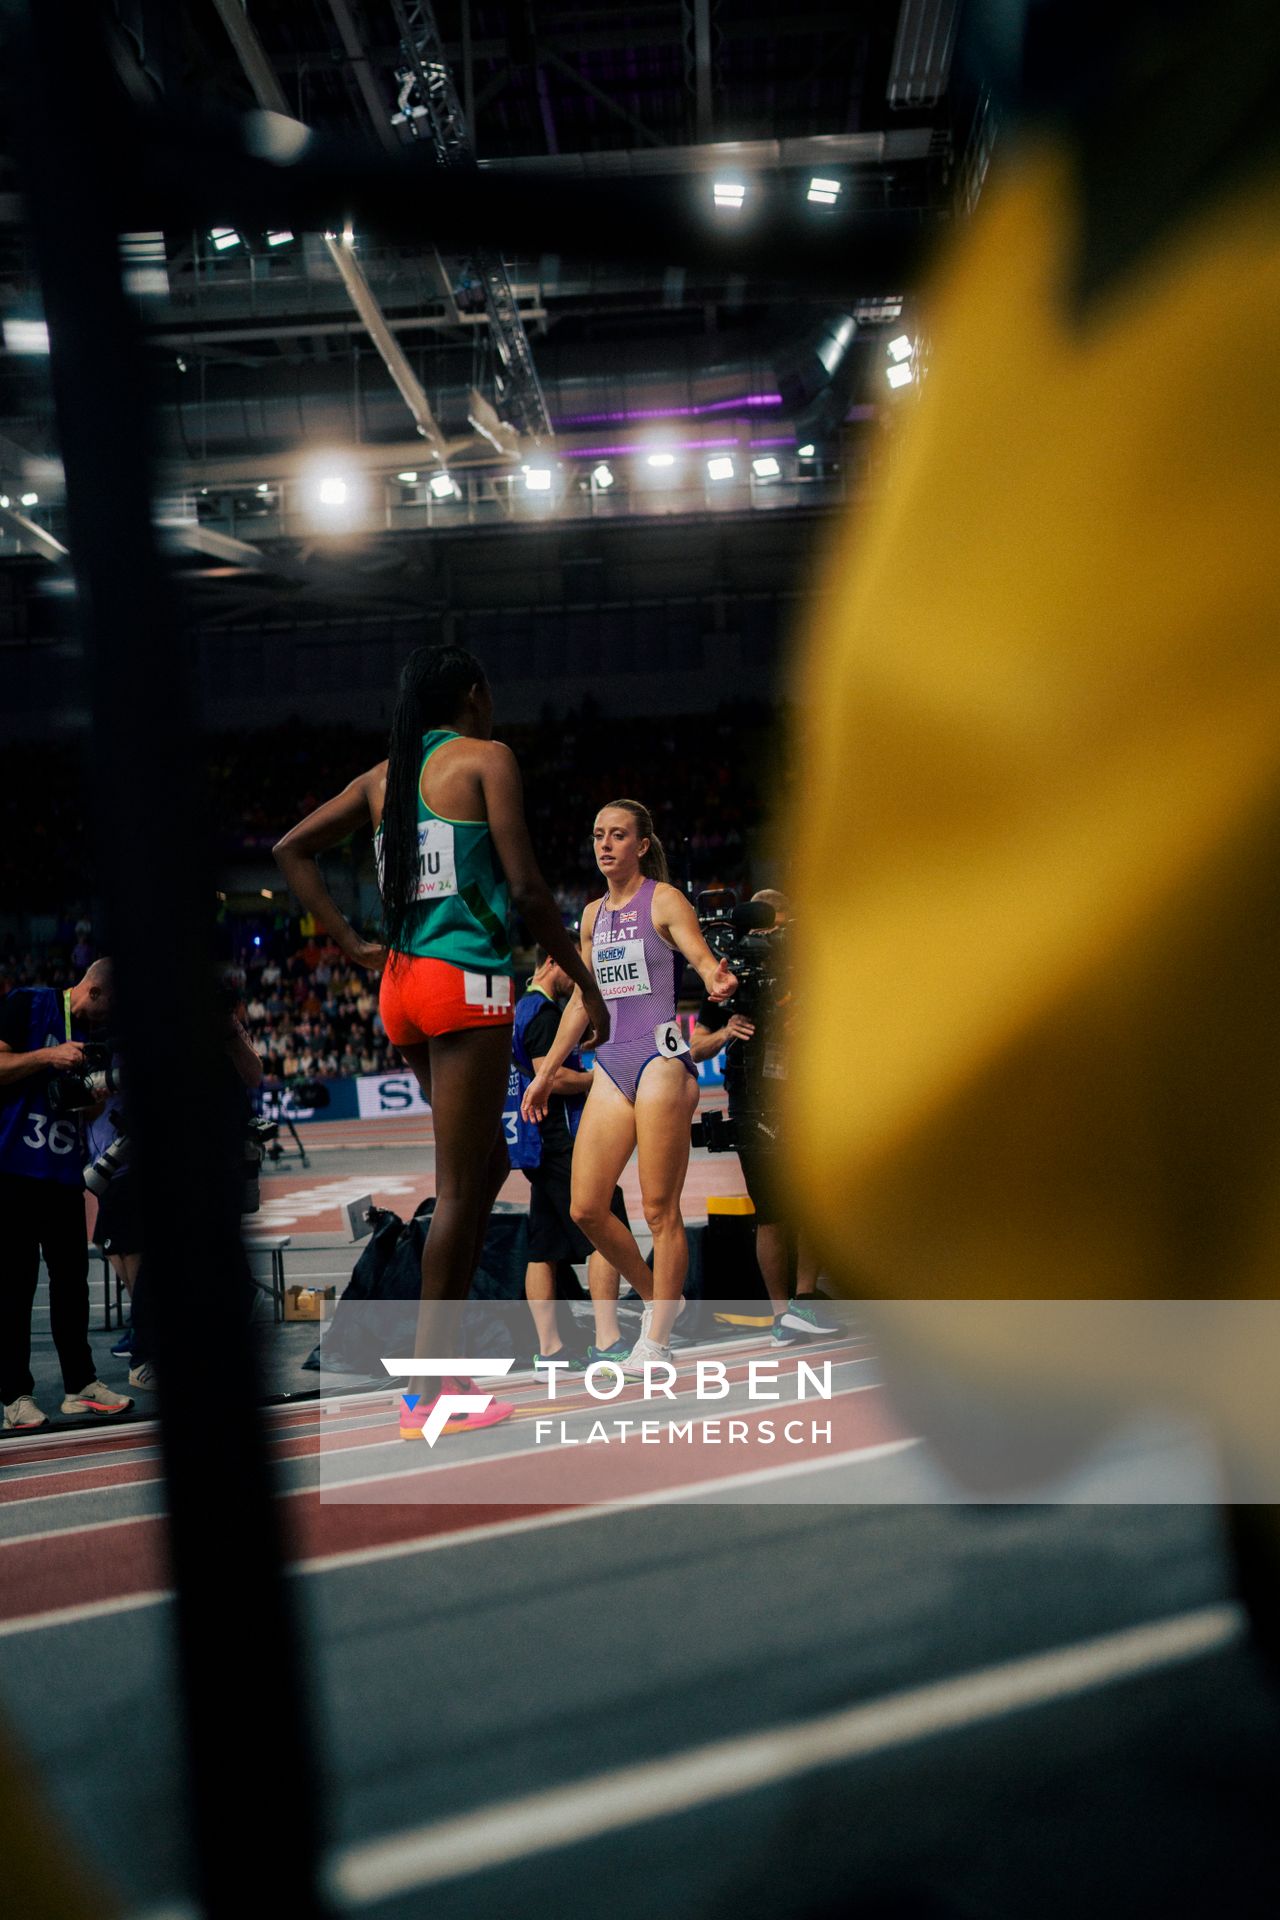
[(753, 1049), (42, 1198)]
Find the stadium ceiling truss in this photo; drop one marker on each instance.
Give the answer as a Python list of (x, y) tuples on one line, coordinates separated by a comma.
[(517, 208)]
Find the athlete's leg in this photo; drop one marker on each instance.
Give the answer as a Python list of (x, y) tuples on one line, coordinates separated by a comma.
[(602, 1282), (604, 1143), (126, 1265), (775, 1268), (806, 1270), (465, 1077), (666, 1101), (540, 1292)]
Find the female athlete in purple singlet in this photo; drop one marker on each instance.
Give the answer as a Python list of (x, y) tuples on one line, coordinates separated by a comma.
[(645, 1091)]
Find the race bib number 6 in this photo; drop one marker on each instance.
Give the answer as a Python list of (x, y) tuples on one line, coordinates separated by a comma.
[(669, 1040)]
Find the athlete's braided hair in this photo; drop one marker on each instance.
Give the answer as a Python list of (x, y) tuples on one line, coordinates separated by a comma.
[(653, 862), (434, 684)]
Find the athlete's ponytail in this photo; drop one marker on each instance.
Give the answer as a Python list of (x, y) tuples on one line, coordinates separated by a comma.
[(434, 685), (653, 862)]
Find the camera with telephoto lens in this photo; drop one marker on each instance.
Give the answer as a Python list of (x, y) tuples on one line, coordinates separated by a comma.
[(78, 1088), (739, 932), (111, 1162)]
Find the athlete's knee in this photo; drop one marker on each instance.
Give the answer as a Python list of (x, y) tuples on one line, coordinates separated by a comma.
[(587, 1212), (662, 1212)]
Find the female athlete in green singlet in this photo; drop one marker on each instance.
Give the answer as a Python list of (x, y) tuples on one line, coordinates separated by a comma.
[(454, 854)]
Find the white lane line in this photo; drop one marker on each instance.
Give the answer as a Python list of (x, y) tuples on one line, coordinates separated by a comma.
[(328, 1451), (138, 1456), (513, 1830), (434, 1543), (88, 1610), (567, 1516), (322, 1489), (84, 1526)]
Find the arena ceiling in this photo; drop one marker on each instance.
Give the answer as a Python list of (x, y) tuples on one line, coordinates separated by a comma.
[(264, 360)]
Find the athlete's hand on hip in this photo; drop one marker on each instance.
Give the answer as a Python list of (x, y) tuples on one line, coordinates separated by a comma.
[(598, 1019), (537, 1097), (369, 954), (723, 983)]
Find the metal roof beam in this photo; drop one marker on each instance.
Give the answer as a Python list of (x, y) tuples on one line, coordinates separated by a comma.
[(271, 95)]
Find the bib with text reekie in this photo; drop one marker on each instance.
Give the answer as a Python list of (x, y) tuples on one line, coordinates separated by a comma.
[(622, 971)]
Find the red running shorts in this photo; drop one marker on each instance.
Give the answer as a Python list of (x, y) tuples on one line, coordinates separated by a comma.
[(421, 998)]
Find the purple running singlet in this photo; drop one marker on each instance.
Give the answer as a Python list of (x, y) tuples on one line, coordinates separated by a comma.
[(639, 976)]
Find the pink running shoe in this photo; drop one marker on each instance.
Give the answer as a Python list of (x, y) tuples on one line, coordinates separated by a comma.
[(414, 1411)]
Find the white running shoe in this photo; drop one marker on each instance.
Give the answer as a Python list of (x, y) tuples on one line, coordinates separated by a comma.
[(22, 1415), (96, 1401), (143, 1377), (646, 1318), (645, 1350)]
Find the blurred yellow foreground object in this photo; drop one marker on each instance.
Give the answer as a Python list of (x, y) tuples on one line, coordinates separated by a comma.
[(1037, 840)]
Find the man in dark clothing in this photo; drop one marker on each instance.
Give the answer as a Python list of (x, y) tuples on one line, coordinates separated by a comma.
[(755, 1063), (42, 1156)]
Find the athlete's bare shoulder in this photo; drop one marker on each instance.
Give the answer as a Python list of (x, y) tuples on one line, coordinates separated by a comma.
[(495, 753), (668, 899), (373, 785)]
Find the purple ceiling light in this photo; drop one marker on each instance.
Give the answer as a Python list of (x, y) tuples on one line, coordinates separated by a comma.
[(570, 420)]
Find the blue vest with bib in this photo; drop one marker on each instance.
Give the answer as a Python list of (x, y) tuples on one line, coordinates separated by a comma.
[(34, 1143), (524, 1137)]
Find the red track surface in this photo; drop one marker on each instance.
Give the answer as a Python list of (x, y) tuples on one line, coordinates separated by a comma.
[(107, 1558), (313, 1202)]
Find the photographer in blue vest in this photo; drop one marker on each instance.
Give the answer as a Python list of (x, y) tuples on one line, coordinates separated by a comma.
[(42, 1155), (543, 1150)]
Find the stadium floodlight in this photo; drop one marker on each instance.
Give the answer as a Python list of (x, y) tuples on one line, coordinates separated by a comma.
[(442, 485), (720, 467), (729, 193), (279, 237), (899, 376), (224, 237), (333, 491), (4, 499), (901, 348), (807, 451), (824, 193), (538, 479), (407, 479), (31, 499), (26, 336), (766, 467), (662, 459), (603, 476)]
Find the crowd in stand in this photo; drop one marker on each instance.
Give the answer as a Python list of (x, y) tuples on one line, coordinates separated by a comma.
[(309, 1012), (704, 778)]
